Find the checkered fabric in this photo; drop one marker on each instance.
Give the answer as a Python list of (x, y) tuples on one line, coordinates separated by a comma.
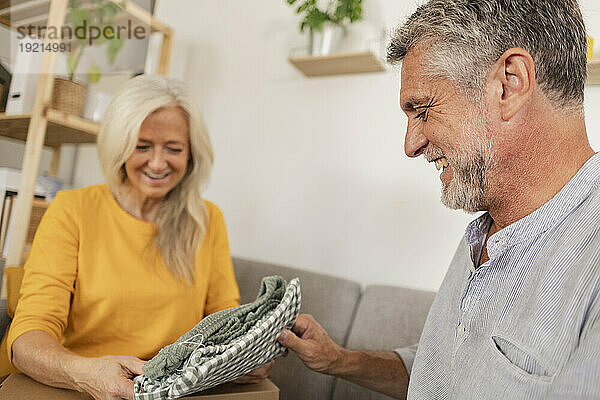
[(212, 360), (218, 328)]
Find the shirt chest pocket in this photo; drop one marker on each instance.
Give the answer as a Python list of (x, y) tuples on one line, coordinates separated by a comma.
[(521, 358), (509, 369)]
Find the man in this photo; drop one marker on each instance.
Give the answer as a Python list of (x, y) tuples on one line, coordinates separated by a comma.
[(493, 91)]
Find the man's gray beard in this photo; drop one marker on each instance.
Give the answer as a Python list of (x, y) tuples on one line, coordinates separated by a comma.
[(467, 189), (471, 169)]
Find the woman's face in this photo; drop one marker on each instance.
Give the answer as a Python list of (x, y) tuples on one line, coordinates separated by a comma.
[(160, 158)]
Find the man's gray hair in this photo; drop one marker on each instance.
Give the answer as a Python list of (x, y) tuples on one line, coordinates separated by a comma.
[(466, 37)]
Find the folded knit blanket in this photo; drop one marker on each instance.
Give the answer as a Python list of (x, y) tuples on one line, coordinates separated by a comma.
[(224, 345)]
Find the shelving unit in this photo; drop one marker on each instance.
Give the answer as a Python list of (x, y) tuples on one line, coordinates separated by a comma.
[(338, 64), (45, 126)]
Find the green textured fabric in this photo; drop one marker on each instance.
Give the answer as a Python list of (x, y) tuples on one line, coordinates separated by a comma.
[(218, 328)]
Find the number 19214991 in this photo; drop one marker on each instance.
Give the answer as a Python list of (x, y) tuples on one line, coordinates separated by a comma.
[(44, 47)]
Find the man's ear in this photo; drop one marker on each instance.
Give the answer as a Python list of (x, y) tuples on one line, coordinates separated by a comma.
[(513, 80)]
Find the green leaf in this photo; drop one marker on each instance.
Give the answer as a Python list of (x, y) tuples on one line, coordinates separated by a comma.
[(307, 6), (101, 40), (112, 9), (78, 16), (72, 63), (94, 74), (73, 60), (348, 10), (100, 12), (114, 45), (303, 7), (315, 19), (105, 37)]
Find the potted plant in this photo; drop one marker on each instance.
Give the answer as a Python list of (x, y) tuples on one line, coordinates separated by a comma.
[(69, 95), (327, 25)]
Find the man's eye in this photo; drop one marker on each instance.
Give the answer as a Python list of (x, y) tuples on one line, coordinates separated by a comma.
[(422, 115)]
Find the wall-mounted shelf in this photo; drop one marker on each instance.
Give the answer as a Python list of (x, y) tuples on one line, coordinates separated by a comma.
[(338, 64), (354, 63), (593, 78), (62, 128)]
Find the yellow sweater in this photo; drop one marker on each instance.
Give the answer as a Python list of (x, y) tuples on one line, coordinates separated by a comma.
[(92, 283)]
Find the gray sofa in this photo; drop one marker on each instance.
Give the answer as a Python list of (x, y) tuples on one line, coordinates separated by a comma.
[(376, 318)]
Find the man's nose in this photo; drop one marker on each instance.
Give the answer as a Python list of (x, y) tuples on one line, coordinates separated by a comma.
[(414, 142)]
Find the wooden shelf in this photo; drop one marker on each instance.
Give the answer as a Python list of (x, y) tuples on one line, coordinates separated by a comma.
[(354, 63), (62, 128), (338, 64), (593, 78)]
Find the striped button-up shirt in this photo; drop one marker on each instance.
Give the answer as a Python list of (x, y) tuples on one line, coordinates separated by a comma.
[(526, 323)]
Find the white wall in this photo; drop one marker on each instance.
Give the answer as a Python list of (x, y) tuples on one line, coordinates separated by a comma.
[(311, 172)]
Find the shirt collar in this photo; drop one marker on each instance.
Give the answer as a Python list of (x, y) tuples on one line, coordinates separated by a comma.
[(555, 210), (477, 229)]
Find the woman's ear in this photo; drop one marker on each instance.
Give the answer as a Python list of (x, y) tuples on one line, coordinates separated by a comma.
[(513, 78)]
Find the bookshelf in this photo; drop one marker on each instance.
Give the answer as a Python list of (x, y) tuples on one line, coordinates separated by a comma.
[(45, 126)]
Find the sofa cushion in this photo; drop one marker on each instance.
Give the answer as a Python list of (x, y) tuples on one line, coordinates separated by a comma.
[(332, 301), (387, 318)]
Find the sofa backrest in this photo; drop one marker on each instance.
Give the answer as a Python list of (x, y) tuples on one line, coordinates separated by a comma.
[(387, 318), (332, 301)]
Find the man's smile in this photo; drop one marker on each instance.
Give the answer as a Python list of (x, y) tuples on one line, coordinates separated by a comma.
[(441, 163)]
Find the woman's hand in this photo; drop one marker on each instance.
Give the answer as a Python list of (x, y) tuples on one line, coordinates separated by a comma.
[(109, 377), (43, 358), (256, 375)]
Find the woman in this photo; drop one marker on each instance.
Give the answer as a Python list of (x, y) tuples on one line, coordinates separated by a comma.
[(118, 271)]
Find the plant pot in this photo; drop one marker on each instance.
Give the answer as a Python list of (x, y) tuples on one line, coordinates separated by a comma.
[(96, 105), (326, 40), (68, 96)]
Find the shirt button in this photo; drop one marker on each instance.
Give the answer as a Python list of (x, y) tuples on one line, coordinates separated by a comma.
[(460, 330)]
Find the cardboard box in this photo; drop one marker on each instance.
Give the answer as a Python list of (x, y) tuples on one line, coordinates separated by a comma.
[(20, 387)]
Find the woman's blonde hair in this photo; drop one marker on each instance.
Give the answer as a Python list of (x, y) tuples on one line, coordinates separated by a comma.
[(182, 218)]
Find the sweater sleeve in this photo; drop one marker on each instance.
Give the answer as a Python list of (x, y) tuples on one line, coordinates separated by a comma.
[(223, 290), (50, 272)]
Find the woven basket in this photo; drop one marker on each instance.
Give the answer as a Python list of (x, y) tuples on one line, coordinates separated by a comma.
[(68, 96)]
